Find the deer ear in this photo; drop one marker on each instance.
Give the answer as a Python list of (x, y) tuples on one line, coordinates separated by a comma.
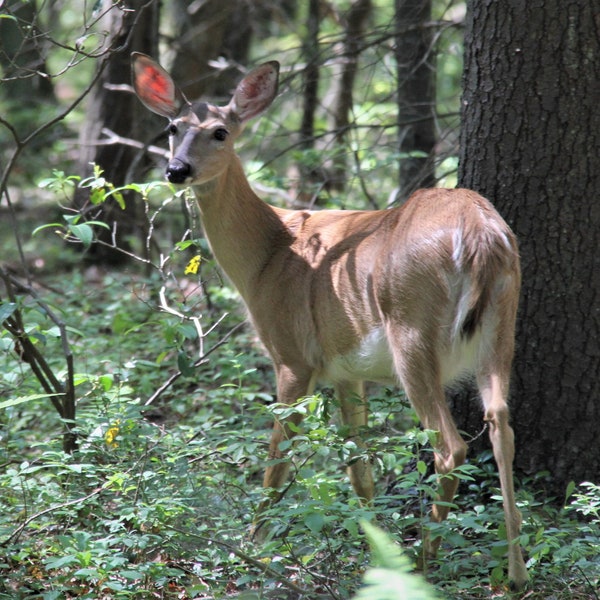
[(256, 91), (155, 87)]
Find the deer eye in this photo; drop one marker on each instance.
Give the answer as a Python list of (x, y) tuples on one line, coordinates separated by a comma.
[(220, 134), (172, 129)]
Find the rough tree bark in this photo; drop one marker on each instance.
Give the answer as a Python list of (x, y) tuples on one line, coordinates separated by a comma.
[(415, 60), (530, 142)]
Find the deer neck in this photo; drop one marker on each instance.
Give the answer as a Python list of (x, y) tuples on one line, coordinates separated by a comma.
[(243, 231)]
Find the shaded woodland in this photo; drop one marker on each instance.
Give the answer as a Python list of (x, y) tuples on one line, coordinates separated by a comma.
[(135, 401)]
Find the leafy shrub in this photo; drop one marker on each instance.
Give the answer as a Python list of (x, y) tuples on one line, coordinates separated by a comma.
[(173, 421)]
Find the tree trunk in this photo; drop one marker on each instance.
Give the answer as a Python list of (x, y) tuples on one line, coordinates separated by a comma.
[(307, 181), (529, 142), (415, 62), (355, 23), (310, 97), (207, 31), (22, 56), (110, 108)]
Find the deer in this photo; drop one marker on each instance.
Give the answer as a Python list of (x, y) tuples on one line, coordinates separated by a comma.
[(420, 295)]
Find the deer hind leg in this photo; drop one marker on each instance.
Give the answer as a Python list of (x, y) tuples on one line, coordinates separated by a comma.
[(494, 390), (419, 372), (450, 453), (354, 415)]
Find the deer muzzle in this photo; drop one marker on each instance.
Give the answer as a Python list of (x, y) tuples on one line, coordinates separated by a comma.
[(178, 171)]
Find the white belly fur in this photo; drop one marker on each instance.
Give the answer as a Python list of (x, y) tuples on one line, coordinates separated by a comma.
[(372, 361)]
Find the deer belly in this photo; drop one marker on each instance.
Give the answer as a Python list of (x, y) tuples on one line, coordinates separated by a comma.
[(370, 361)]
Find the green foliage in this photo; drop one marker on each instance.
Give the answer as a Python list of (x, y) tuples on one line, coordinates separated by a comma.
[(160, 499), (391, 577)]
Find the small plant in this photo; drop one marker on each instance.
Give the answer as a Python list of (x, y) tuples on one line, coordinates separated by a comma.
[(390, 577)]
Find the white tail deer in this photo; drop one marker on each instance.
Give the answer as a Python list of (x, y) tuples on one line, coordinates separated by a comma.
[(418, 295)]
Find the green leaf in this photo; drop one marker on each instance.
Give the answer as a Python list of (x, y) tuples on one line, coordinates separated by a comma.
[(184, 244), (185, 365), (7, 309), (22, 399), (570, 487), (391, 578), (285, 445), (385, 552), (84, 233), (315, 522), (426, 437), (59, 563), (497, 575), (59, 182), (87, 573), (115, 586), (132, 575), (98, 224), (385, 584), (46, 226), (118, 196), (97, 196), (106, 381)]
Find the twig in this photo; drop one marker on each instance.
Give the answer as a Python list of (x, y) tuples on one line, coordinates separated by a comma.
[(260, 565), (17, 532), (589, 583), (167, 384), (115, 138), (478, 435), (40, 367)]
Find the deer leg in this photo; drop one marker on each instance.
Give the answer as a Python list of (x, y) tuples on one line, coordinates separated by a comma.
[(450, 453), (354, 415), (494, 391), (290, 388), (419, 374)]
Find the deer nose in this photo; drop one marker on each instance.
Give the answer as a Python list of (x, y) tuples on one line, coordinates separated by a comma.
[(178, 171)]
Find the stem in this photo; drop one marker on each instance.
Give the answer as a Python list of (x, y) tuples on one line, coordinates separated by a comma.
[(255, 562)]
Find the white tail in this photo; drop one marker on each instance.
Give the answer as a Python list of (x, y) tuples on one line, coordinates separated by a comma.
[(419, 295)]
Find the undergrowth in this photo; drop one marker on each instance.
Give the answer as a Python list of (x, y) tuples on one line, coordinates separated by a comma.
[(159, 497)]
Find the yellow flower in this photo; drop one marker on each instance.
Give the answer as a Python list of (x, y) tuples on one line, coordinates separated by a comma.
[(193, 265), (111, 435)]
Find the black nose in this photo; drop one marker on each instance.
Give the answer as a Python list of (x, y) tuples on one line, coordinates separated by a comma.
[(178, 171)]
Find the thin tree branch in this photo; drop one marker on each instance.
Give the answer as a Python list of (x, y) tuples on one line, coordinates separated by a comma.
[(200, 361), (255, 562)]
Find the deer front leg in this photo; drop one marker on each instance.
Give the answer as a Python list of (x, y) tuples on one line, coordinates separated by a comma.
[(276, 474), (354, 415), (291, 386)]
